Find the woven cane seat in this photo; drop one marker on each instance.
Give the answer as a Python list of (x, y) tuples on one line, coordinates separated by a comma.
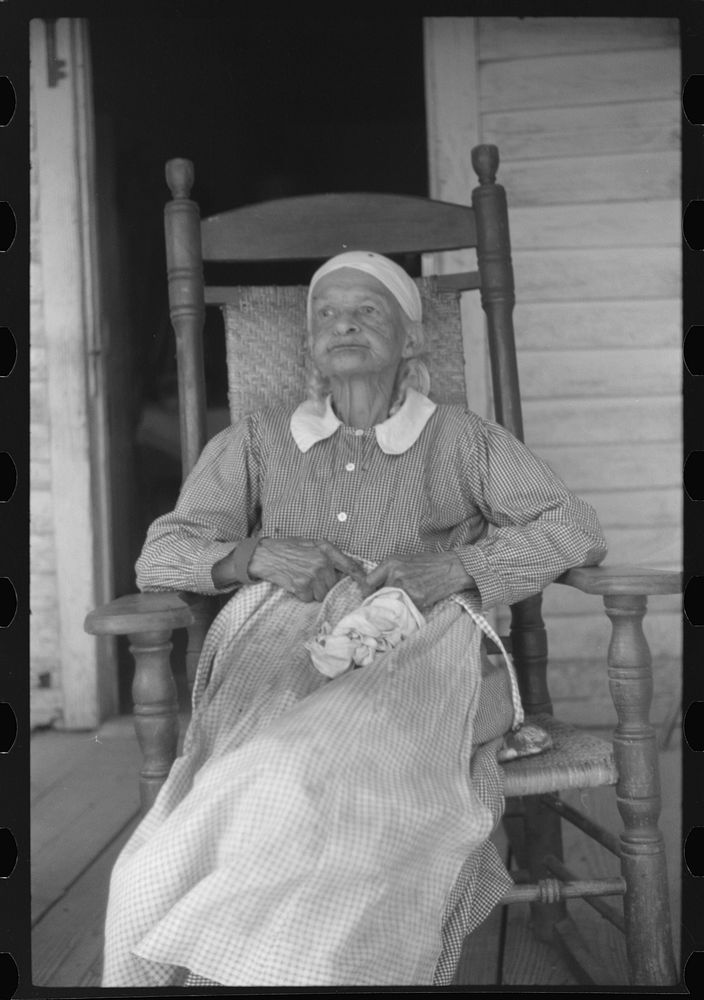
[(576, 759)]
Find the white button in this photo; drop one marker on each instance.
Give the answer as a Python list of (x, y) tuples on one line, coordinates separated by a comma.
[(350, 466), (359, 432), (342, 516)]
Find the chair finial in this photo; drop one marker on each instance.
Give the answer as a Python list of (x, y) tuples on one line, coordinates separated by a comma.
[(180, 176), (485, 160)]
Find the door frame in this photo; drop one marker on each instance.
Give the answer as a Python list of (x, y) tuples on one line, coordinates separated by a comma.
[(75, 364)]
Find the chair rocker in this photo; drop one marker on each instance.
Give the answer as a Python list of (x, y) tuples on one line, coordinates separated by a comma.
[(268, 322)]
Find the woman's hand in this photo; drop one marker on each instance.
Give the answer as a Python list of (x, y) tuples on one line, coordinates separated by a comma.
[(427, 577), (308, 569)]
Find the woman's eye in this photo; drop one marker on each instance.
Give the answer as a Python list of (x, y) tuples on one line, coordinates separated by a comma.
[(368, 310)]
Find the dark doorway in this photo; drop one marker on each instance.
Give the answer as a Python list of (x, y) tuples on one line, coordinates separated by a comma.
[(265, 108)]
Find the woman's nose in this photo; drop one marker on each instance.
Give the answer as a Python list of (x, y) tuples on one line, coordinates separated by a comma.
[(345, 324)]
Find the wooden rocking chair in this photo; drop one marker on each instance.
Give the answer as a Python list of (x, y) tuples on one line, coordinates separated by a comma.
[(316, 227)]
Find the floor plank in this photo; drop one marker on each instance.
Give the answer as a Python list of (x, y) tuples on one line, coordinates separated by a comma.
[(526, 960), (54, 755), (85, 788), (67, 943)]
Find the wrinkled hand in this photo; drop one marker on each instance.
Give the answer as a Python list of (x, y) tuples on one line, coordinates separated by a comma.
[(308, 569), (427, 577)]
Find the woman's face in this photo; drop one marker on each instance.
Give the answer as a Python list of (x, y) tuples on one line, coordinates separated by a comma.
[(357, 325)]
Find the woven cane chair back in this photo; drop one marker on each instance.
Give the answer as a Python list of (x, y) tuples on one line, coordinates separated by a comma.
[(268, 356)]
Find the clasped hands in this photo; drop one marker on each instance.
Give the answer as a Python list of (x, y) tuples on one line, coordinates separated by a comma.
[(309, 569)]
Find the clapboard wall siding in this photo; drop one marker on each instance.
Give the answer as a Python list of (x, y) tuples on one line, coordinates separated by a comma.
[(657, 545), (603, 420), (586, 638), (577, 79), (637, 224), (628, 127), (581, 274), (626, 323), (586, 115), (603, 372), (584, 179), (659, 505), (559, 601), (518, 38), (626, 467)]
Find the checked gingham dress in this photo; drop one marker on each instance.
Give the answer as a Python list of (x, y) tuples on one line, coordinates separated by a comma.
[(336, 832)]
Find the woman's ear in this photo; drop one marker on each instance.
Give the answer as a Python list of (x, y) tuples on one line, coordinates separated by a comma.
[(414, 338)]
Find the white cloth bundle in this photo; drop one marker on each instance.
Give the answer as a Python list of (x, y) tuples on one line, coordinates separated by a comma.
[(380, 623)]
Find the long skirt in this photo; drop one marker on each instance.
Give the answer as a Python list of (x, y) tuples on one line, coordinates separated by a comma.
[(317, 831)]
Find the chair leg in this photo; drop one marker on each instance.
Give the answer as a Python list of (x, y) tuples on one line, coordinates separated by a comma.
[(542, 832), (155, 710), (535, 832), (646, 903), (543, 837)]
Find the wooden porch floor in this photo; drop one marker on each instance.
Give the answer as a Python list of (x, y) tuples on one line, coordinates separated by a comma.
[(85, 805)]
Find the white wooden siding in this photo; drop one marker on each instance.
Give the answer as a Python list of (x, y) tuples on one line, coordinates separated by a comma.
[(44, 665), (452, 117), (514, 38), (585, 112), (74, 678), (633, 126), (577, 79), (640, 324), (571, 179)]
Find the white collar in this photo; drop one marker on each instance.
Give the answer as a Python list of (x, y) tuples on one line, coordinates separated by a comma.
[(312, 422)]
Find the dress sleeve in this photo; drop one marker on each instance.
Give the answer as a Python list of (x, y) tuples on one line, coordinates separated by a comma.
[(538, 528), (218, 507)]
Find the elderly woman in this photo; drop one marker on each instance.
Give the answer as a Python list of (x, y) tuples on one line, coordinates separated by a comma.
[(326, 825)]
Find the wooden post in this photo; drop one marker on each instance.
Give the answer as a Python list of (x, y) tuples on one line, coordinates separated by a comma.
[(186, 306), (530, 651), (149, 619), (453, 125), (497, 287), (155, 710), (542, 830), (646, 903), (65, 276)]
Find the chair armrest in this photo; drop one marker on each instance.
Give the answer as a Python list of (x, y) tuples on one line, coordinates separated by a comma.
[(150, 612), (615, 580)]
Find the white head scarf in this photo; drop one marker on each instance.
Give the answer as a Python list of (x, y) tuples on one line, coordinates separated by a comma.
[(398, 282)]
